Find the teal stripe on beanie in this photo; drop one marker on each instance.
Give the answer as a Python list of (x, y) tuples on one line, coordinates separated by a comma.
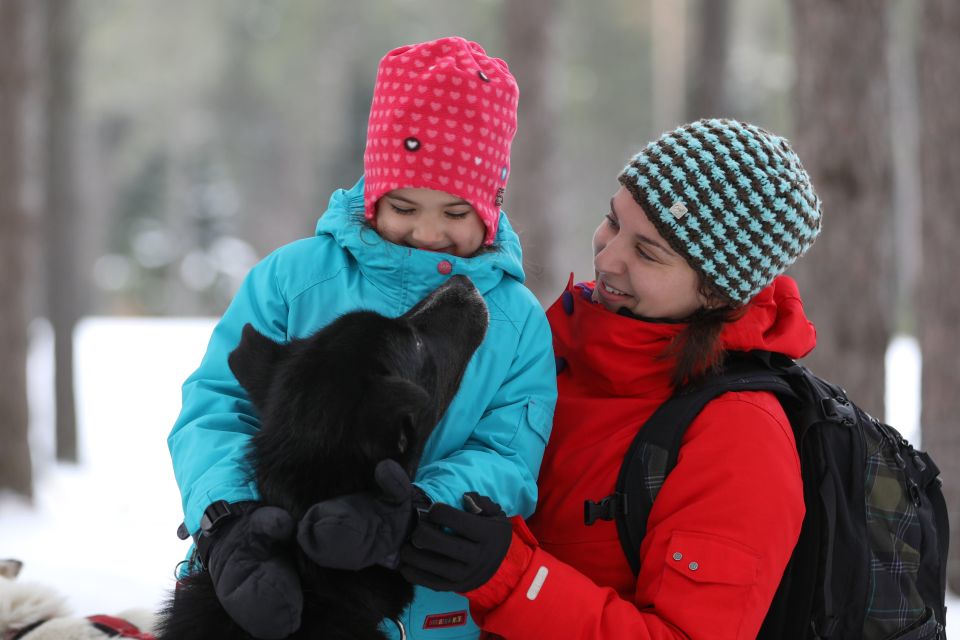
[(725, 249), (733, 199), (745, 238), (729, 253)]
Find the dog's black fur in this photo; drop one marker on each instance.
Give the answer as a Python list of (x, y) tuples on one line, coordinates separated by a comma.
[(332, 406)]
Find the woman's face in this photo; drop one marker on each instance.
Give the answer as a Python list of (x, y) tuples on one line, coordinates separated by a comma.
[(637, 269)]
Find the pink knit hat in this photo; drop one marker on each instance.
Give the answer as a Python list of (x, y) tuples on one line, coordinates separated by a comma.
[(443, 117)]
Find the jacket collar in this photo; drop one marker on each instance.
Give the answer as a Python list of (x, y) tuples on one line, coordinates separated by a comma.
[(621, 356), (394, 268)]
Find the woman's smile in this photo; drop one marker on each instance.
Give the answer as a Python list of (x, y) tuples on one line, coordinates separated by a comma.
[(610, 293)]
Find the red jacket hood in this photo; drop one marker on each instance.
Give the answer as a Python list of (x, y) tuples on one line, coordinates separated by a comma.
[(623, 356)]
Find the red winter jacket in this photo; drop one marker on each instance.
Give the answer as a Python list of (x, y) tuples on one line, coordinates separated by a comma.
[(723, 525)]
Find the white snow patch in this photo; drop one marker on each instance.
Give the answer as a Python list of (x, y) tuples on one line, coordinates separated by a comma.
[(103, 531)]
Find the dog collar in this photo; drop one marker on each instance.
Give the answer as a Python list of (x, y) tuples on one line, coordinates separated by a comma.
[(16, 634), (118, 628), (109, 625)]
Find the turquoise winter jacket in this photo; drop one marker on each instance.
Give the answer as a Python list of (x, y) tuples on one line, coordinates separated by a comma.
[(491, 438)]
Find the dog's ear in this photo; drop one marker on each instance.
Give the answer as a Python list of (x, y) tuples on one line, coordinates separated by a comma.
[(10, 568), (254, 361)]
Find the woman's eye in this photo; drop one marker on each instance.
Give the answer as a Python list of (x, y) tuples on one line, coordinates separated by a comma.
[(644, 255), (612, 221), (401, 210), (456, 214)]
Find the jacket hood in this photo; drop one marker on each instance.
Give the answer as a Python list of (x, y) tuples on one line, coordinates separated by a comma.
[(774, 321), (623, 356), (390, 265)]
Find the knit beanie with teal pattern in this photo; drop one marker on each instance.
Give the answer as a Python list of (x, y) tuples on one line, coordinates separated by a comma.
[(729, 197)]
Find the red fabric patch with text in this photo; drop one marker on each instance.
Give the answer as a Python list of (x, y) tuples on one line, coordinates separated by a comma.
[(442, 620)]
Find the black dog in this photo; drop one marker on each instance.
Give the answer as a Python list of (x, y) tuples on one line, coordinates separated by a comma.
[(364, 389)]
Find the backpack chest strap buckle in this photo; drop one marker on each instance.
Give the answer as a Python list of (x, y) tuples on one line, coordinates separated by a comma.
[(606, 509)]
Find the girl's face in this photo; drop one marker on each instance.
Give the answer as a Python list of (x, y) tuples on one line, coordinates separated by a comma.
[(430, 220), (637, 269)]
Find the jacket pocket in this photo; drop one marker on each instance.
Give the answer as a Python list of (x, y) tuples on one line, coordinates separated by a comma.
[(705, 585), (538, 419)]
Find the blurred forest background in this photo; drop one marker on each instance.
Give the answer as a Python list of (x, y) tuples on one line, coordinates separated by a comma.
[(151, 151)]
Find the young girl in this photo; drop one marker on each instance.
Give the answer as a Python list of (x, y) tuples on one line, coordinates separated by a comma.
[(436, 165), (688, 264)]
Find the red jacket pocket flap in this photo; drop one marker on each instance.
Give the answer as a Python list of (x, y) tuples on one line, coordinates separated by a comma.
[(705, 558)]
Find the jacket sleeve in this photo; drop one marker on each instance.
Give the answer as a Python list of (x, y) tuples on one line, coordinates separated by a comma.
[(208, 442), (723, 528), (501, 458)]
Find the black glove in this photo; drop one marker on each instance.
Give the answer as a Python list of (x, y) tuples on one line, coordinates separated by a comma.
[(250, 562), (363, 529), (454, 550)]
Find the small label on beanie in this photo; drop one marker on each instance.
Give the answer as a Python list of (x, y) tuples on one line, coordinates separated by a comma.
[(440, 620), (678, 210)]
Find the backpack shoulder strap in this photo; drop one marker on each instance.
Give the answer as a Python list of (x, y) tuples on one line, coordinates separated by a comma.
[(654, 450)]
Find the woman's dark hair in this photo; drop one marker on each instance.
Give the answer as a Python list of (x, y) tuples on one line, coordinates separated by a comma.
[(697, 349)]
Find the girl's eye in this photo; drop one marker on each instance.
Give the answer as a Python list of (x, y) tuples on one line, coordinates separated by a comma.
[(612, 221), (457, 215), (401, 210)]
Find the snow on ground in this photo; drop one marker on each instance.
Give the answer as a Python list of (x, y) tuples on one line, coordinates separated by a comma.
[(102, 532)]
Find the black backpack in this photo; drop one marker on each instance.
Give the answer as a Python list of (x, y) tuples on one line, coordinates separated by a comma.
[(871, 558)]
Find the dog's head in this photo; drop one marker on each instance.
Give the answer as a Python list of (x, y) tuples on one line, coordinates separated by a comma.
[(23, 604), (363, 389)]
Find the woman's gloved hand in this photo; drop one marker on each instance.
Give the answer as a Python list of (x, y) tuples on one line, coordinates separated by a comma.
[(250, 561), (363, 529), (454, 550)]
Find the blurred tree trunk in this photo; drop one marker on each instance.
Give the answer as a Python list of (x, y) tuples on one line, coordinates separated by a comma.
[(62, 213), (668, 33), (530, 198), (707, 74), (904, 136), (15, 467), (842, 134), (939, 303)]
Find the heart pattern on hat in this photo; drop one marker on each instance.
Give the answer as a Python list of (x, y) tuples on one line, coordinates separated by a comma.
[(469, 102)]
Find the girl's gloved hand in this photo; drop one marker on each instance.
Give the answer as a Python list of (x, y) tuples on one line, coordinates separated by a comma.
[(454, 550), (362, 529), (252, 569)]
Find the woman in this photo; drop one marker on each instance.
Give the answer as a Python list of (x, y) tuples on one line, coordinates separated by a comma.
[(688, 266)]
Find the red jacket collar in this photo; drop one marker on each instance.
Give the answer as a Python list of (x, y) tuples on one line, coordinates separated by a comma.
[(622, 356)]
